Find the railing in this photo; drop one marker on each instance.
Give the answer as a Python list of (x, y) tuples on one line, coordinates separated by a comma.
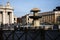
[(43, 32), (29, 34)]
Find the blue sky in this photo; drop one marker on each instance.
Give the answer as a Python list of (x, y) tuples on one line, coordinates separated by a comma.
[(22, 7)]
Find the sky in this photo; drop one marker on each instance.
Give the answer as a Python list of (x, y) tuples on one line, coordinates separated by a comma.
[(23, 7)]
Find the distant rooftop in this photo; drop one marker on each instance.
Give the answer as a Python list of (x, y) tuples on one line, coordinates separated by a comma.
[(57, 8)]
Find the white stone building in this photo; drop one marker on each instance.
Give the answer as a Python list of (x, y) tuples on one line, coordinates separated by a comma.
[(26, 20), (6, 14)]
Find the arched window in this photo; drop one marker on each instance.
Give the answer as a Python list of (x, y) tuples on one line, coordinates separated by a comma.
[(58, 18)]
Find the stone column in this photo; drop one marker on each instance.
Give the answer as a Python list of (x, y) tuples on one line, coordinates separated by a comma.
[(4, 16), (11, 18)]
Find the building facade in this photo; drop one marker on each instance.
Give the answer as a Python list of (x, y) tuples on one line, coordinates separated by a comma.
[(15, 19), (47, 17), (51, 17), (6, 14), (26, 20)]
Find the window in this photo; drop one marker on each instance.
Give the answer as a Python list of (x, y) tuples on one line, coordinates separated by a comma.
[(14, 18), (9, 13), (28, 18), (58, 18), (1, 12)]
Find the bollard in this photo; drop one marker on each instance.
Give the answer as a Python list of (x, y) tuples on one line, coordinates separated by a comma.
[(1, 34), (42, 34), (55, 27)]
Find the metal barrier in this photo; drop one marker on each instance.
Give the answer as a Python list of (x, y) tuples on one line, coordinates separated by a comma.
[(44, 32), (29, 34)]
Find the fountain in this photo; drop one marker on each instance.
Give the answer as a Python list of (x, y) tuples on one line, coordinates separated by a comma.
[(35, 17)]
